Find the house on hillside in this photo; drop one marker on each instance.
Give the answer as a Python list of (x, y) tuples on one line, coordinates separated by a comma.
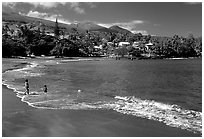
[(49, 33), (147, 49), (136, 45), (143, 47), (97, 50), (98, 47), (123, 44), (110, 44), (149, 46)]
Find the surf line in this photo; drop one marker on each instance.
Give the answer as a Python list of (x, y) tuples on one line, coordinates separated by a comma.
[(8, 82), (171, 115), (28, 66)]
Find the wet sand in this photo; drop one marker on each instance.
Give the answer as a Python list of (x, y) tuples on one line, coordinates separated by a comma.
[(21, 120)]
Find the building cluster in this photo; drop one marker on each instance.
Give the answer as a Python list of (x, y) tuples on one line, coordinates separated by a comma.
[(110, 47)]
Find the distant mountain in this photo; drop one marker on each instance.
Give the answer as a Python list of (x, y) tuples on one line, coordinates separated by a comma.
[(15, 18), (90, 26), (119, 29)]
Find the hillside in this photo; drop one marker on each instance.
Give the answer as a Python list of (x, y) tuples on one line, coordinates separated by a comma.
[(90, 26), (14, 18), (119, 29)]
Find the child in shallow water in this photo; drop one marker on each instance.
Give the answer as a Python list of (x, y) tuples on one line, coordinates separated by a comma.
[(45, 89)]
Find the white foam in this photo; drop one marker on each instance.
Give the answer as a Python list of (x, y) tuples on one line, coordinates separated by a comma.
[(80, 59), (172, 115), (75, 60), (52, 62), (23, 72)]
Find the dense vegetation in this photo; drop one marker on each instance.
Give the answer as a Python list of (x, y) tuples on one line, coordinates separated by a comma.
[(29, 39)]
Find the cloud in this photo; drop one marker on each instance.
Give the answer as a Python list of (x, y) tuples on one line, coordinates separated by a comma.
[(46, 5), (143, 32), (9, 4), (47, 16), (130, 24), (193, 3), (77, 8), (91, 4), (105, 25), (36, 14)]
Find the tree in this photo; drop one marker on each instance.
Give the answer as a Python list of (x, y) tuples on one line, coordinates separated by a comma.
[(7, 44), (168, 50), (56, 29), (26, 33), (147, 38), (12, 48), (57, 50), (176, 42), (190, 43), (121, 51), (133, 51), (198, 47), (158, 46)]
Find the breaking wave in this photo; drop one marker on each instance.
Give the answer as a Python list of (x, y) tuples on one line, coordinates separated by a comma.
[(172, 115), (27, 71)]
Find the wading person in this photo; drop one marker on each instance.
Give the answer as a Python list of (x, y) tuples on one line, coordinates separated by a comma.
[(26, 87)]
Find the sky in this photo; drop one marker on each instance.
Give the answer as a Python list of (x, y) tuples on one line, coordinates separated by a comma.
[(154, 18)]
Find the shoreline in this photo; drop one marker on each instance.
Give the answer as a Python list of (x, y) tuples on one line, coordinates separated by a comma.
[(99, 57), (19, 119)]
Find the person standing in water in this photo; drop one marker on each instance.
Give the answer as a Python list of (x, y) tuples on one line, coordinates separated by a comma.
[(26, 87), (45, 89)]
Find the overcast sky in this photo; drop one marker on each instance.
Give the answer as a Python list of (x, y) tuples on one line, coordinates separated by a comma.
[(156, 18)]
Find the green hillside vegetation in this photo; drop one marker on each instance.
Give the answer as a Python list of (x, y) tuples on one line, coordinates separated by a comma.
[(25, 36)]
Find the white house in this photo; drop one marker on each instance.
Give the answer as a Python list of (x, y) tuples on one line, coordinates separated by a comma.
[(98, 47), (148, 45), (124, 44), (136, 45), (110, 43)]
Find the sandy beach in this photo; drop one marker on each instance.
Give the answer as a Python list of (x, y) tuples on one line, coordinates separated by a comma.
[(21, 120)]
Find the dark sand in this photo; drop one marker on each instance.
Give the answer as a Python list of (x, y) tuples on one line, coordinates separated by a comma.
[(21, 120)]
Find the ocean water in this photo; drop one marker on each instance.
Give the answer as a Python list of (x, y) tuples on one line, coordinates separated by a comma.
[(168, 91)]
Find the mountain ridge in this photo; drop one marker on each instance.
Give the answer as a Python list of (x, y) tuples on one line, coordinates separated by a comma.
[(81, 26), (119, 29)]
